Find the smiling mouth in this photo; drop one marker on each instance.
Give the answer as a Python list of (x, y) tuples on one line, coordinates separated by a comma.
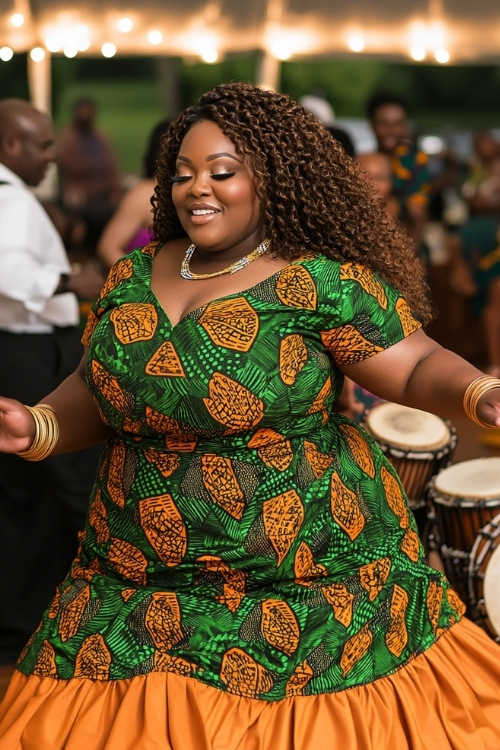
[(200, 216)]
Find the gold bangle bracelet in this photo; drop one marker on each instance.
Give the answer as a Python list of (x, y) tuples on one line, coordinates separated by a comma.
[(473, 393), (46, 433)]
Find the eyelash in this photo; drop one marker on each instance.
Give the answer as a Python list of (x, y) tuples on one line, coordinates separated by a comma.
[(220, 176)]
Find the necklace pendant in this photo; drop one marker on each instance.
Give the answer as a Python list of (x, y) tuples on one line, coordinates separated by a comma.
[(186, 273)]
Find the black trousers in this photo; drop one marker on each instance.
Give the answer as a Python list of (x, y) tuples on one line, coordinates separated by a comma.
[(43, 505)]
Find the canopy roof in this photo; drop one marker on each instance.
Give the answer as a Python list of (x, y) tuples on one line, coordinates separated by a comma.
[(397, 29)]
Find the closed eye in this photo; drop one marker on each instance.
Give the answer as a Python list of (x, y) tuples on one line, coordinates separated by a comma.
[(222, 175), (181, 178)]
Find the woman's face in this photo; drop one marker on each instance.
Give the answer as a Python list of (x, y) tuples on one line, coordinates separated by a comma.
[(214, 194)]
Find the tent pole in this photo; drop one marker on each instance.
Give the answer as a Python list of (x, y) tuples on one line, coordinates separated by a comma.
[(39, 82), (269, 67), (40, 92), (268, 71)]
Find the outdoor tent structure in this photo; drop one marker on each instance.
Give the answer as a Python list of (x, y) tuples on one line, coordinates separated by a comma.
[(440, 31)]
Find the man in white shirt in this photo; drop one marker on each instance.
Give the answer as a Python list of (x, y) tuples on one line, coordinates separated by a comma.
[(42, 505)]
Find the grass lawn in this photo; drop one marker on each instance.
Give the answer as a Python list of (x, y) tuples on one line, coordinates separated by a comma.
[(130, 106), (127, 112)]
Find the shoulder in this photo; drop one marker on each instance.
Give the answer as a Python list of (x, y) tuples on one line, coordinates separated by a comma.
[(144, 188), (329, 273), (340, 283), (123, 275), (313, 282), (17, 198), (15, 193), (139, 196)]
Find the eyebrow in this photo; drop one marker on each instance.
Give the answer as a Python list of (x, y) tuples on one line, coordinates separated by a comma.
[(211, 157)]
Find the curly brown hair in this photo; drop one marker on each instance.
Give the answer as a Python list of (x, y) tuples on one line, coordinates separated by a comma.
[(313, 197)]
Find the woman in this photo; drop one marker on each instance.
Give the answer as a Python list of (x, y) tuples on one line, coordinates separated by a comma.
[(129, 226), (250, 575)]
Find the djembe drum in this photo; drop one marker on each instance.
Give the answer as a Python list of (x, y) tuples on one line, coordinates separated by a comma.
[(465, 497), (418, 445), (484, 578)]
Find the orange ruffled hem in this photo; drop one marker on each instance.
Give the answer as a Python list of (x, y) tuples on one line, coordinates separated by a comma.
[(446, 698)]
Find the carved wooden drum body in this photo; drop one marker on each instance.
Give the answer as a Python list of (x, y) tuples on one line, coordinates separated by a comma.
[(484, 578), (418, 445), (465, 498)]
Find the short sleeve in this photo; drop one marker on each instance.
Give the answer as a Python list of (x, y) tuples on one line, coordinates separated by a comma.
[(121, 270), (368, 315)]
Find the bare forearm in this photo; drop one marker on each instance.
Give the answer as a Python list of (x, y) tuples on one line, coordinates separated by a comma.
[(438, 383)]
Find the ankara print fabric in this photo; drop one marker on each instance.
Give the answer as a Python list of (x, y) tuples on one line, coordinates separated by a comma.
[(241, 532)]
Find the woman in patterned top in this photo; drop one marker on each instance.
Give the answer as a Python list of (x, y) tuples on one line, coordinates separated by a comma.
[(250, 575)]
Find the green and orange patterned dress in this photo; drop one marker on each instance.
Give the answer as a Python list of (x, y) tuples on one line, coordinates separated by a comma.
[(250, 565), (240, 532)]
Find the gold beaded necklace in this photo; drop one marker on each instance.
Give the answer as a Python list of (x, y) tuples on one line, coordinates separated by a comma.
[(186, 272)]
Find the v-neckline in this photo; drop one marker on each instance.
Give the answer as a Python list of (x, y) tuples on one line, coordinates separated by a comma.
[(242, 293)]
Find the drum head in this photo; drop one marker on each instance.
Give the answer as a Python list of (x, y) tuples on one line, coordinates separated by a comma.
[(478, 479), (491, 590), (405, 428)]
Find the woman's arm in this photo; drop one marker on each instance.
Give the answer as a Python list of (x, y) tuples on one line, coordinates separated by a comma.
[(132, 214), (420, 373), (80, 424)]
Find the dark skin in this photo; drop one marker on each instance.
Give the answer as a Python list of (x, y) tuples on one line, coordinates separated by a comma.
[(487, 151), (27, 149), (423, 374), (390, 125), (178, 297), (229, 230)]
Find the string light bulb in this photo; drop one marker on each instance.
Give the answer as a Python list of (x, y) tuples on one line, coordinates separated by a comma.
[(125, 25), (418, 53), (210, 55), (6, 54), (17, 20), (356, 43), (442, 56), (70, 50), (155, 36), (37, 54), (108, 49)]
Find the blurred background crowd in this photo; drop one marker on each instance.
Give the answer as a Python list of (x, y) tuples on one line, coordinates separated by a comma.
[(441, 173)]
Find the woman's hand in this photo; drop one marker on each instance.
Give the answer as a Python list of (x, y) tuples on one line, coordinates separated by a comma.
[(17, 428), (488, 408)]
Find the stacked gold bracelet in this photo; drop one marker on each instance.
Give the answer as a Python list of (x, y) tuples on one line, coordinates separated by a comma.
[(46, 433), (473, 393)]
